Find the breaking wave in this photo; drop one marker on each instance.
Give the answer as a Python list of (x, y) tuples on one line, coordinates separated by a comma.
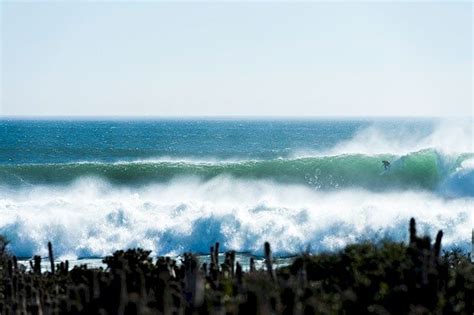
[(91, 218), (426, 169), (324, 199)]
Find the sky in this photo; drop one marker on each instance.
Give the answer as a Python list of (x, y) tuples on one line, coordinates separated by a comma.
[(83, 58)]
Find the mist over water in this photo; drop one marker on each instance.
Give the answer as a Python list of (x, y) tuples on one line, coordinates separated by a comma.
[(173, 186)]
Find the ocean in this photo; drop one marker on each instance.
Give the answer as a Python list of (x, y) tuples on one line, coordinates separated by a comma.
[(93, 186)]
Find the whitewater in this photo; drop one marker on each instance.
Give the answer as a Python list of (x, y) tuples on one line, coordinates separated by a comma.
[(92, 187)]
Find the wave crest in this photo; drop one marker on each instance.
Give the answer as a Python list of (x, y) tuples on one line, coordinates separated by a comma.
[(427, 169)]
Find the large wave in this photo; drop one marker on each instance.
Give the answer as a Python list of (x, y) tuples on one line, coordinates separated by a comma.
[(322, 199), (426, 169), (91, 218)]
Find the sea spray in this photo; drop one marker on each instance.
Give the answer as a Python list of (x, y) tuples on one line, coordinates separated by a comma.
[(91, 218), (381, 137)]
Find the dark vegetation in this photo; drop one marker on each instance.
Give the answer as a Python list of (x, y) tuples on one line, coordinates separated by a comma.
[(365, 278)]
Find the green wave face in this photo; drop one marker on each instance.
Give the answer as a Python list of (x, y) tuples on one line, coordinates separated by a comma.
[(425, 169)]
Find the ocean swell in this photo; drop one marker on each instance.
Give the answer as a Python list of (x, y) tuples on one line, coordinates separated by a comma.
[(426, 169)]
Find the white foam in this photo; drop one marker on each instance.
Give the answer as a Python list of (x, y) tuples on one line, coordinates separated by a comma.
[(460, 182), (90, 218), (187, 160), (467, 164)]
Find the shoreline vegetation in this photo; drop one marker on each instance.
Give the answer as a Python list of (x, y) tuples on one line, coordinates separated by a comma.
[(362, 278)]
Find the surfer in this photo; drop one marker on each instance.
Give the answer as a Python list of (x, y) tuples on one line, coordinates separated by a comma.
[(386, 164)]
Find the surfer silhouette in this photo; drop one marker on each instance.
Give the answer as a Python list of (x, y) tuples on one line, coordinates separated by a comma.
[(386, 164)]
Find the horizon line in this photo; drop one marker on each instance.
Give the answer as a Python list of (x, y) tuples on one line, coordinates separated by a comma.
[(221, 117)]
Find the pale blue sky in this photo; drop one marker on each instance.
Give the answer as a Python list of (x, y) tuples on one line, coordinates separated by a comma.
[(279, 59)]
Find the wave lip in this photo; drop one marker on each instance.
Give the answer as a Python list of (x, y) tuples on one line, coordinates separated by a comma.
[(460, 183)]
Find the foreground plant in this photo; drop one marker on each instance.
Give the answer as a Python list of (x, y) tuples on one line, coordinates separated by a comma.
[(362, 278)]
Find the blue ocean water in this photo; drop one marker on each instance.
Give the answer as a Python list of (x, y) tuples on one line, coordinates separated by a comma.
[(93, 186), (70, 141)]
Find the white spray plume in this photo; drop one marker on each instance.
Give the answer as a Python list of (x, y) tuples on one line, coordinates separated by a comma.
[(446, 136)]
